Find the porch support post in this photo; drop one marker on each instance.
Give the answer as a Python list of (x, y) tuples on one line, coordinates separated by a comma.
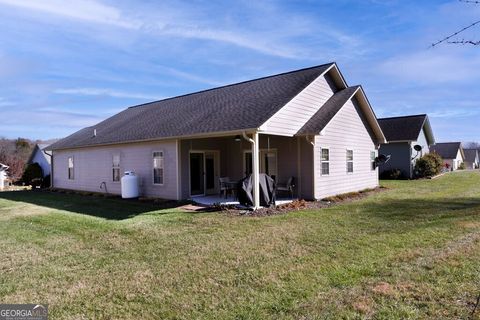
[(256, 171), (255, 168)]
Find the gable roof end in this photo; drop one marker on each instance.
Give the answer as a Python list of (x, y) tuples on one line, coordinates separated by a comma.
[(333, 105), (326, 113), (407, 128)]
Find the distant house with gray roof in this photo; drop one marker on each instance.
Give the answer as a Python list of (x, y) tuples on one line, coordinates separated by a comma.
[(451, 152), (471, 158), (306, 124), (39, 156), (403, 134)]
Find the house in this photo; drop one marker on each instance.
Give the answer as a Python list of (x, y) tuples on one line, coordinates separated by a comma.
[(39, 156), (307, 124), (451, 153), (3, 175), (471, 158), (403, 135)]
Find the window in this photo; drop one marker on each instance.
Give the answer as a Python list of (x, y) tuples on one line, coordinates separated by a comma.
[(267, 161), (349, 161), (158, 167), (373, 164), (70, 168), (116, 167), (325, 161)]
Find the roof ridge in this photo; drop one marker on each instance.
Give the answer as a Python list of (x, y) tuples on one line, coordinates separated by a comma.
[(233, 84), (408, 116)]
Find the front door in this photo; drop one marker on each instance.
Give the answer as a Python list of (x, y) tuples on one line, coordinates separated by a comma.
[(197, 181)]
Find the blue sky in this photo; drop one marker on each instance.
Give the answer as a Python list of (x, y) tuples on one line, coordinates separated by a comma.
[(65, 65)]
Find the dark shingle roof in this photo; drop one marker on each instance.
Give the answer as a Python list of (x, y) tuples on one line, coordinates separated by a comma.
[(470, 154), (240, 106), (326, 113), (406, 128), (447, 150)]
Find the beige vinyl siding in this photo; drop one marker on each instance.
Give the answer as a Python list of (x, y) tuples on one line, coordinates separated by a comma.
[(94, 165), (291, 118), (345, 132)]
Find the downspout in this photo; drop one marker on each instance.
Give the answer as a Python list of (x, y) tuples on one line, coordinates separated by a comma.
[(51, 167), (255, 168), (314, 176)]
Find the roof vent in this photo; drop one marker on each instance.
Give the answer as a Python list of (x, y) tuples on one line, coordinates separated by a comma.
[(94, 132)]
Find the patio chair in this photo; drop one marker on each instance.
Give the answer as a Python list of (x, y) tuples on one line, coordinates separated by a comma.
[(224, 185), (288, 187)]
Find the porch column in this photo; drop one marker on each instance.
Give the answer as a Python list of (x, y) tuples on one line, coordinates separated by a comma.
[(256, 171)]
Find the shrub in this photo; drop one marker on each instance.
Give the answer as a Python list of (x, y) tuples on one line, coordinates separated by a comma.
[(46, 181), (429, 165), (392, 174), (32, 171), (462, 166)]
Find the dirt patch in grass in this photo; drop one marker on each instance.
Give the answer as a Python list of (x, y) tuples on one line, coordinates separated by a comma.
[(296, 205), (299, 205), (363, 305), (383, 288), (350, 196)]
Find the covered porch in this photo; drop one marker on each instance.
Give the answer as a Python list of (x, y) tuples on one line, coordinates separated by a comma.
[(216, 199), (211, 167)]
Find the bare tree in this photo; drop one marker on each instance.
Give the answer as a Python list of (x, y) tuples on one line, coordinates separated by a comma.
[(471, 145), (451, 38)]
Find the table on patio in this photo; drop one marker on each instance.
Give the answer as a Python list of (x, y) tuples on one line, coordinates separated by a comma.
[(231, 186)]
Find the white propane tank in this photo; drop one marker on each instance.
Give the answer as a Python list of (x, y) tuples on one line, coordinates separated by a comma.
[(129, 185)]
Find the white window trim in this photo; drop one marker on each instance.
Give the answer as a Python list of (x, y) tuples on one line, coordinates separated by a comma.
[(324, 161), (119, 167), (347, 161), (68, 167), (153, 173), (372, 161)]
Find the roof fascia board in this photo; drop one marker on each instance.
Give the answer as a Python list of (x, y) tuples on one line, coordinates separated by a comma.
[(428, 131), (339, 76), (373, 117), (196, 136)]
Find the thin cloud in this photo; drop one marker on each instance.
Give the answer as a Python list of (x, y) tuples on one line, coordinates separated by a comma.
[(6, 103), (454, 113), (106, 92), (262, 42), (87, 10)]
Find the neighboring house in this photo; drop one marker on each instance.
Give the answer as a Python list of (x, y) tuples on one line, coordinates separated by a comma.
[(403, 134), (3, 175), (451, 153), (307, 124), (471, 158), (39, 156)]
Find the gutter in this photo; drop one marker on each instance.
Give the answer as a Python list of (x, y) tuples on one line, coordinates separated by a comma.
[(51, 166)]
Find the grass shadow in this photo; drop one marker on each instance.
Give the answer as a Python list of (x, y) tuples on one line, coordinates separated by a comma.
[(423, 210), (111, 208)]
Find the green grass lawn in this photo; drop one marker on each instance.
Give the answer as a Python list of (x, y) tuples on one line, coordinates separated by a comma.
[(410, 252)]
